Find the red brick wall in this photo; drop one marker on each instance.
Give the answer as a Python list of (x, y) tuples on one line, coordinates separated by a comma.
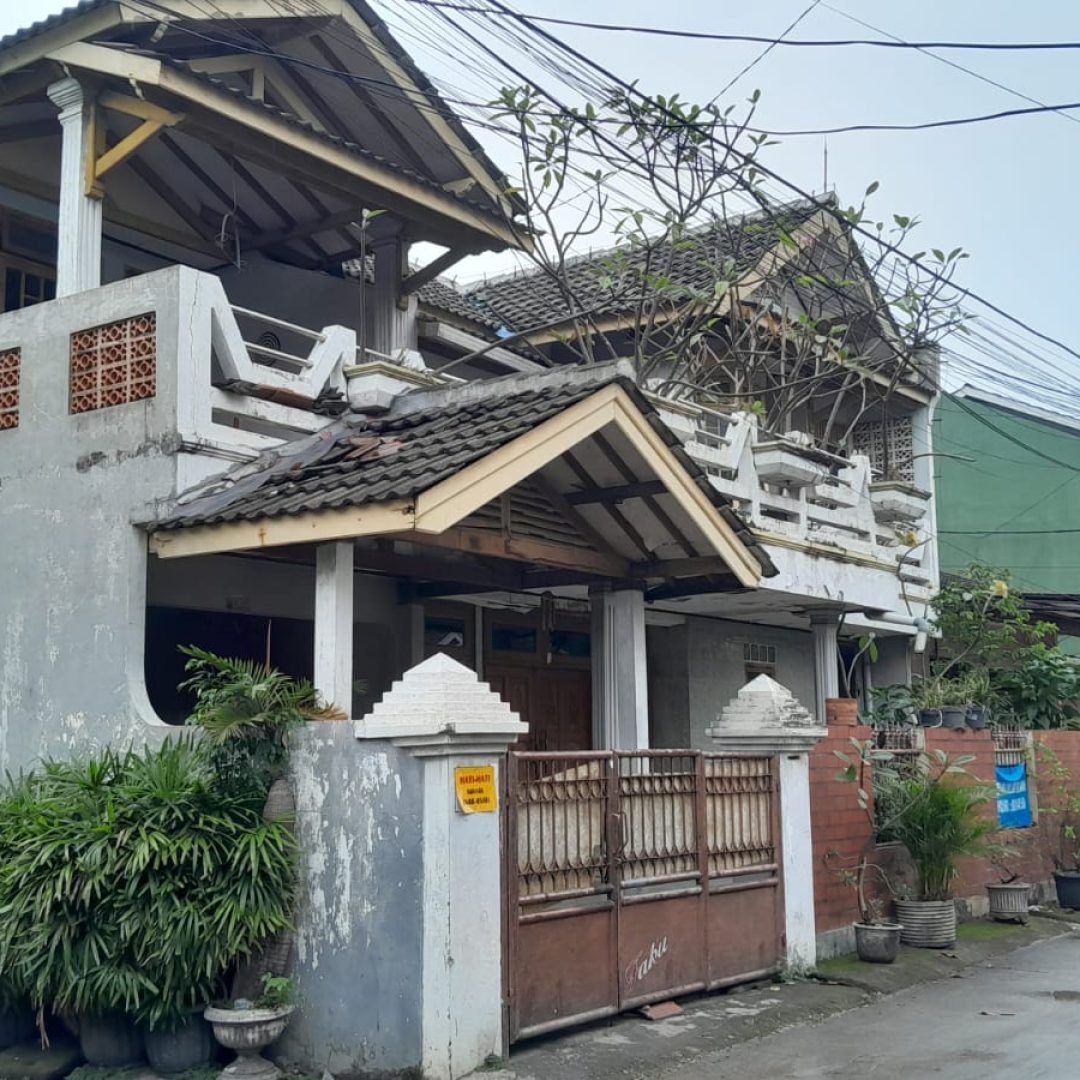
[(839, 825)]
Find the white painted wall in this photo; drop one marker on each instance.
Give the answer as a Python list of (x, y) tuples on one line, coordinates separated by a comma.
[(798, 862)]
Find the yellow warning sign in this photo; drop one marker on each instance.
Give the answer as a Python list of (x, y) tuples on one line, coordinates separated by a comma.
[(475, 786)]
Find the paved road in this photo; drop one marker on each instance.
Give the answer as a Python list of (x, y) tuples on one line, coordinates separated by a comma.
[(1017, 1019)]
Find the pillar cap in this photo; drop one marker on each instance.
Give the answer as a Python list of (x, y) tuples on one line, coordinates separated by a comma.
[(439, 708), (765, 717)]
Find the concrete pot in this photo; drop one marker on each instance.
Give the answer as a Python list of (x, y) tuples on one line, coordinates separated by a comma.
[(954, 717), (927, 924), (1009, 902), (249, 1032), (110, 1042), (16, 1026), (190, 1045), (879, 943)]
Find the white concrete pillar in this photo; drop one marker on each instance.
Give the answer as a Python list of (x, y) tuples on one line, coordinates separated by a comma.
[(460, 729), (825, 628), (392, 317), (334, 623), (620, 689), (78, 256), (765, 718)]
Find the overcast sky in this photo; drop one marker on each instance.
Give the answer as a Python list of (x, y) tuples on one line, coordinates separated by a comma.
[(1006, 191)]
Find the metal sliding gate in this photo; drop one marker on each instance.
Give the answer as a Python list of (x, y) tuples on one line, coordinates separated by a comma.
[(635, 877)]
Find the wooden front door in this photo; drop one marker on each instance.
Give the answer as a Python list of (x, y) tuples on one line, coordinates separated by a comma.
[(555, 703)]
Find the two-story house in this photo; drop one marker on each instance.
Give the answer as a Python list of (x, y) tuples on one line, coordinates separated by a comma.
[(212, 433)]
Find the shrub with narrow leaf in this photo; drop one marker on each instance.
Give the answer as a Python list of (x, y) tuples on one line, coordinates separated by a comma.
[(134, 882)]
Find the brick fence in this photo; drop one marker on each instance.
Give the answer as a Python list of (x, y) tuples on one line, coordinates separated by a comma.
[(841, 830)]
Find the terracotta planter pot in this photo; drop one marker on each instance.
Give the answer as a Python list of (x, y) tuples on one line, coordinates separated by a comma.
[(841, 712)]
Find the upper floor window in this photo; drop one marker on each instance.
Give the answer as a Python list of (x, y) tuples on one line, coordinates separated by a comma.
[(27, 261)]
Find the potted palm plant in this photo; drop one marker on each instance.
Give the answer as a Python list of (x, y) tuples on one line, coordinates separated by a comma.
[(246, 710), (1058, 818), (877, 938), (940, 818), (119, 894)]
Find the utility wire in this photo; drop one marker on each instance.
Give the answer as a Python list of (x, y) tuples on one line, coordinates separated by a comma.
[(925, 125), (790, 185), (985, 46), (943, 60), (768, 48)]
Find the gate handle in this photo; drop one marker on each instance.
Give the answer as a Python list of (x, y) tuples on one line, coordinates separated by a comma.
[(624, 827)]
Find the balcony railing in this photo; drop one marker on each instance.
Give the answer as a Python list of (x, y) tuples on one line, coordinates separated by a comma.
[(790, 490)]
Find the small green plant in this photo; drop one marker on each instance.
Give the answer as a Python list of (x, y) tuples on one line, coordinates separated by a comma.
[(929, 695), (277, 992), (890, 706), (1041, 688), (133, 883), (1060, 814)]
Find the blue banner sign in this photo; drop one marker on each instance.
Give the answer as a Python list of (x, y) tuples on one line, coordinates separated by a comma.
[(1014, 807)]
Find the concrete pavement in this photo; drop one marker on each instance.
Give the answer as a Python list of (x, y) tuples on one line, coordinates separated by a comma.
[(1005, 1003), (1018, 1016)]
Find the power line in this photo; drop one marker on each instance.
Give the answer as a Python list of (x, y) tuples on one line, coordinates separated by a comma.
[(703, 35), (925, 125), (768, 48), (945, 60), (764, 170)]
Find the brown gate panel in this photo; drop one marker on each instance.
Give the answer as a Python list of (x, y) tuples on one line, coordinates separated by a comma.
[(660, 953), (563, 972), (742, 932), (634, 877)]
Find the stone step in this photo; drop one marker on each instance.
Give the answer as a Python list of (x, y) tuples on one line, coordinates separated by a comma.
[(28, 1061)]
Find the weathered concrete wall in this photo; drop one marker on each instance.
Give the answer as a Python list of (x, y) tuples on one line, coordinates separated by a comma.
[(717, 667), (359, 949), (72, 563)]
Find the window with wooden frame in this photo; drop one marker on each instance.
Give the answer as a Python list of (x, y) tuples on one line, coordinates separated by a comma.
[(759, 659)]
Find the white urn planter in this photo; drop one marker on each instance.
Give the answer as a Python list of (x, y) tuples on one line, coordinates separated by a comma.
[(779, 463), (896, 501), (249, 1032)]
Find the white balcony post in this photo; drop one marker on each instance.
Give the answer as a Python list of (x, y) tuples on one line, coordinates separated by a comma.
[(78, 257), (392, 319), (620, 691), (334, 623), (825, 628)]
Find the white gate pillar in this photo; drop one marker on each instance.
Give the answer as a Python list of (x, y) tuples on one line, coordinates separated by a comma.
[(620, 689), (825, 630), (78, 255), (460, 729), (334, 623), (765, 718)]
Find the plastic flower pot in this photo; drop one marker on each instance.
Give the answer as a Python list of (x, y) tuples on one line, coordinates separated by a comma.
[(930, 718), (977, 716), (954, 717), (878, 943), (1067, 883)]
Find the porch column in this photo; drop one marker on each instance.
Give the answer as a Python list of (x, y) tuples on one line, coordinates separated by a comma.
[(334, 623), (765, 718), (392, 317), (78, 256), (620, 693), (825, 628)]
